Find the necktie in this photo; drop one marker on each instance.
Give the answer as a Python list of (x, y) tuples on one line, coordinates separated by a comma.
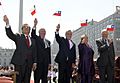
[(27, 41)]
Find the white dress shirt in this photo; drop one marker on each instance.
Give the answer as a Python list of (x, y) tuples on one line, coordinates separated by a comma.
[(71, 44)]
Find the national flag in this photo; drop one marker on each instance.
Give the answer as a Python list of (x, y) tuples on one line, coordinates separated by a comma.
[(84, 23), (58, 13), (34, 11), (91, 22), (110, 27)]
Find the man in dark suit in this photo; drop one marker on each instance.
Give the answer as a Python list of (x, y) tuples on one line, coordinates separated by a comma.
[(43, 55), (105, 61), (66, 56), (24, 57)]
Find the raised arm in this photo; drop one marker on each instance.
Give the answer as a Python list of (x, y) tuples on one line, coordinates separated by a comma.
[(57, 36), (9, 32), (33, 33), (101, 47)]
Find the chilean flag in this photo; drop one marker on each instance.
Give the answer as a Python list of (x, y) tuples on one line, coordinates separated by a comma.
[(83, 24), (58, 13), (33, 11), (110, 27)]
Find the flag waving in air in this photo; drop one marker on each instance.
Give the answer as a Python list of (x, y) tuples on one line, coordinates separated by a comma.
[(110, 27), (58, 13), (83, 24), (33, 11)]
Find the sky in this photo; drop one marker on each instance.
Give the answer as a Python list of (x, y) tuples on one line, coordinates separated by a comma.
[(73, 12)]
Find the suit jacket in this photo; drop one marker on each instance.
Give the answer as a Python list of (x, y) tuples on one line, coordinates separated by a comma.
[(65, 54), (43, 53), (22, 52), (107, 55)]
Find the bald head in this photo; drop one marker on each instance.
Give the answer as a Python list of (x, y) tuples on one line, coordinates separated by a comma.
[(42, 33)]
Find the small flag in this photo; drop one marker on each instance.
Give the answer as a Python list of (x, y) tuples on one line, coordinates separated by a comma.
[(91, 22), (84, 23), (34, 11), (110, 27), (58, 13)]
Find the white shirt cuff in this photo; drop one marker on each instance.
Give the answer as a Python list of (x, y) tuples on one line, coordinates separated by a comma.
[(57, 32), (7, 26), (34, 28)]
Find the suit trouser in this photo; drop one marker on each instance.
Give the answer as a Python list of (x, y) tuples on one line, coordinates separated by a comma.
[(41, 72), (24, 73), (106, 74), (65, 72)]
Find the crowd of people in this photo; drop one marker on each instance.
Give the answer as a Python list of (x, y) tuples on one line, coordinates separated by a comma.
[(5, 70), (33, 53)]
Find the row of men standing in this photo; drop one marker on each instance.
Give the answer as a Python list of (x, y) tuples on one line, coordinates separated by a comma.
[(31, 53), (35, 54)]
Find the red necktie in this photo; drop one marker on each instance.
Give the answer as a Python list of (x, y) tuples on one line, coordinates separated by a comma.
[(27, 41)]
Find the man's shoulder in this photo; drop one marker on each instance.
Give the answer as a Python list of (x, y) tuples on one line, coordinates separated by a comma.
[(32, 39), (47, 40)]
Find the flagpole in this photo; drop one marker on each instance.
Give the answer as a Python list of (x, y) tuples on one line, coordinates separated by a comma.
[(59, 20), (20, 15)]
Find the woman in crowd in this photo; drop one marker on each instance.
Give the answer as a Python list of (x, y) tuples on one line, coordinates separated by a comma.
[(86, 63)]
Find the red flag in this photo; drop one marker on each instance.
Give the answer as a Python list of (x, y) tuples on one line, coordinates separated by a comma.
[(58, 13), (84, 23), (110, 28), (34, 11)]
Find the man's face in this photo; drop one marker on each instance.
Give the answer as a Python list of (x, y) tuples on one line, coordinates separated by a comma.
[(69, 35), (105, 34), (26, 29), (42, 33)]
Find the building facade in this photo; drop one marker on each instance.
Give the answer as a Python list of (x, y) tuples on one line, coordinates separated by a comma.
[(5, 56), (94, 32)]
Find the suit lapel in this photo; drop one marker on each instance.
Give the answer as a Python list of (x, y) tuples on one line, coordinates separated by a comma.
[(41, 42), (67, 43), (101, 41), (72, 44), (31, 41), (24, 39)]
